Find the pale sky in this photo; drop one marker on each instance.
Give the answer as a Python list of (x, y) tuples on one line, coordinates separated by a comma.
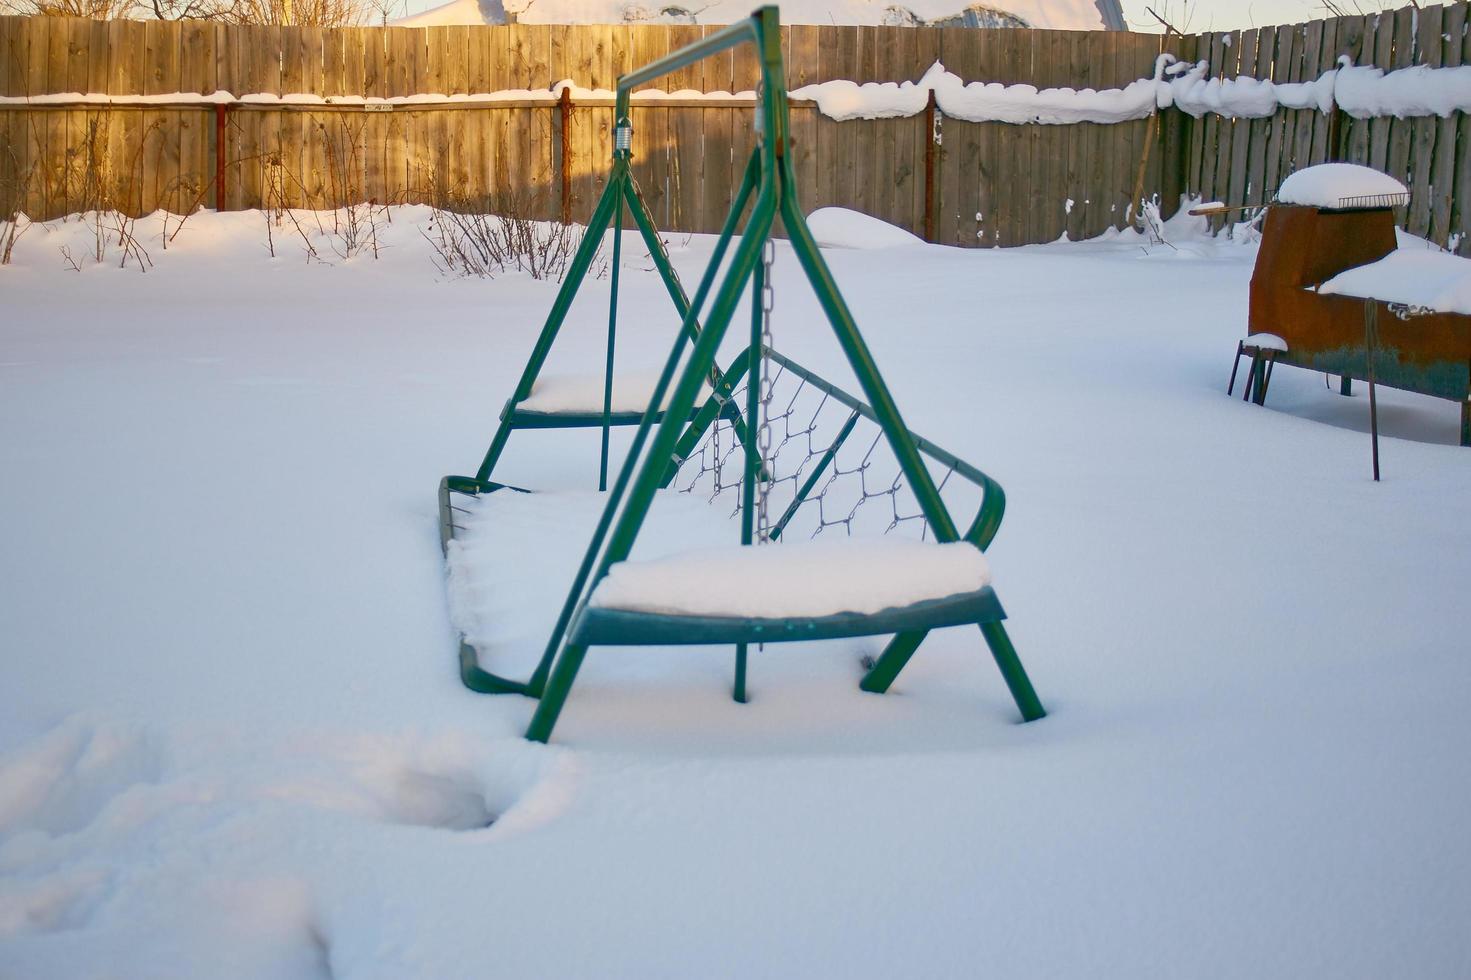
[(1196, 16), (1190, 16)]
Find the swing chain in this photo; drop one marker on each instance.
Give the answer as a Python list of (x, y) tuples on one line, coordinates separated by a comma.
[(763, 434)]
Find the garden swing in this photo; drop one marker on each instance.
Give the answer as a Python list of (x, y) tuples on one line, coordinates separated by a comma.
[(748, 424)]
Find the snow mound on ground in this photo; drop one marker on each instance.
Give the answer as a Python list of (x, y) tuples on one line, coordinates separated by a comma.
[(1436, 280), (842, 228), (812, 578), (1328, 184), (457, 12)]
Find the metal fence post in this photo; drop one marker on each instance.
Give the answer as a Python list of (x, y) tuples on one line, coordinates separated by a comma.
[(222, 112), (564, 105), (931, 140)]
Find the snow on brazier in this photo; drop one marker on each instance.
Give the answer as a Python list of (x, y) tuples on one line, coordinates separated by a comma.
[(1333, 292)]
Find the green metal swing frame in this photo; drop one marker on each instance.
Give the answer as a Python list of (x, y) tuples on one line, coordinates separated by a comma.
[(621, 193), (663, 439)]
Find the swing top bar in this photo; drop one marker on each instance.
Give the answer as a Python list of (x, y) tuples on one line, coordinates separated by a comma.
[(763, 30), (728, 37)]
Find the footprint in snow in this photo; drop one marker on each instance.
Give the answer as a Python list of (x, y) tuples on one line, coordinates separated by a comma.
[(62, 781), (448, 782)]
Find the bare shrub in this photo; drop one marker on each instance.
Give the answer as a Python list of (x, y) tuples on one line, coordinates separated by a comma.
[(338, 219), (474, 243), (14, 223), (11, 228), (355, 217), (95, 9), (87, 181), (278, 214), (302, 13)]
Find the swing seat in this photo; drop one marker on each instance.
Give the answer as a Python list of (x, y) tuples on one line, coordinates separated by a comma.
[(625, 628), (790, 592), (576, 401)]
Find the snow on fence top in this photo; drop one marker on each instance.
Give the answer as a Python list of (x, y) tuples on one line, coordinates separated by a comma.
[(1362, 92), (1334, 185)]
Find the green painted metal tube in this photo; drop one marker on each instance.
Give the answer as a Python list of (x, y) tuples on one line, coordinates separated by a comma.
[(557, 688), (576, 273), (644, 472), (754, 468), (620, 177), (682, 401), (862, 362), (584, 571), (605, 520), (1013, 672), (705, 417), (753, 409), (773, 79), (666, 270), (738, 33), (894, 658), (738, 689), (612, 340), (568, 660), (982, 530), (645, 224)]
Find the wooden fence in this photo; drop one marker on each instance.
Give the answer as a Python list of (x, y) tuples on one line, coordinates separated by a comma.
[(1016, 178), (960, 182), (1242, 161)]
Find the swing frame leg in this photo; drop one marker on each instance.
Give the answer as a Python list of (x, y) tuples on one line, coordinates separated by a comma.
[(738, 691), (558, 686), (894, 658), (896, 655), (1235, 365), (1012, 671)]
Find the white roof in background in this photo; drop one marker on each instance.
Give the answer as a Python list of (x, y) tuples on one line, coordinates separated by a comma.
[(1075, 15)]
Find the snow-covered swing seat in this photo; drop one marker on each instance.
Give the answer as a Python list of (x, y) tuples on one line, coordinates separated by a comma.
[(769, 437)]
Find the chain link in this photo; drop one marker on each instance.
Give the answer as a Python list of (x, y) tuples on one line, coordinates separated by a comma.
[(763, 434)]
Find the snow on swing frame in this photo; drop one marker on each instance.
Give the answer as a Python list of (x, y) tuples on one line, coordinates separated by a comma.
[(614, 601)]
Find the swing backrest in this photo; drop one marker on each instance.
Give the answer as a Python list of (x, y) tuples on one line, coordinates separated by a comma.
[(830, 469)]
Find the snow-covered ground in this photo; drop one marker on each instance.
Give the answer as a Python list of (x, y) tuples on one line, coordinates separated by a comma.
[(233, 742)]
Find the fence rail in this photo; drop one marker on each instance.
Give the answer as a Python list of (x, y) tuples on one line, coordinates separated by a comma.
[(958, 182)]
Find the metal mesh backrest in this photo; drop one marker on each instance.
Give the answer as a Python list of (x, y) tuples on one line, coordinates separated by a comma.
[(859, 486)]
